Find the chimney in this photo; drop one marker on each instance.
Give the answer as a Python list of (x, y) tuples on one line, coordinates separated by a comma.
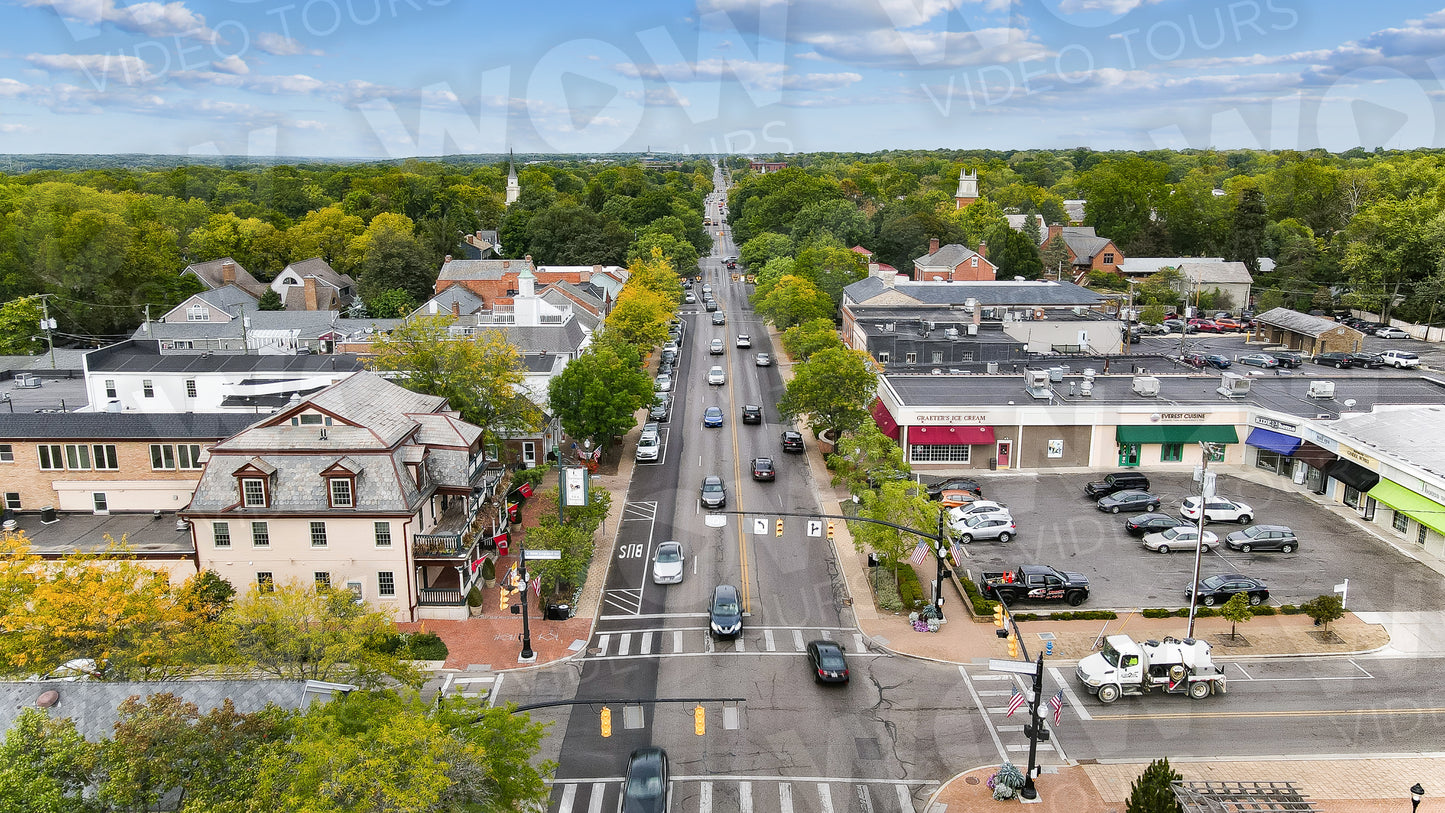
[(506, 264), (873, 270), (587, 276), (1055, 230), (447, 259), (310, 288), (479, 235), (933, 245), (228, 272), (983, 249), (456, 309)]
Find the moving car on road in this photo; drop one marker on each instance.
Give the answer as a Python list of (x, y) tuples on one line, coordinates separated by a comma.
[(715, 347), (763, 360), (646, 788), (714, 494), (792, 441), (716, 377), (712, 418), (763, 469), (744, 340), (667, 563), (829, 664), (725, 612), (752, 413)]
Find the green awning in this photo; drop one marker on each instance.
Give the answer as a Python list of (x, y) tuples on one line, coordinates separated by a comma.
[(1423, 510), (1153, 433)]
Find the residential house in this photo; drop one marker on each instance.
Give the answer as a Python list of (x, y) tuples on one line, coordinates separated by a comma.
[(267, 333), (1087, 250), (1074, 210), (883, 269), (953, 263), (313, 285), (1020, 222), (365, 486), (1231, 279), (225, 271), (480, 246), (1310, 335)]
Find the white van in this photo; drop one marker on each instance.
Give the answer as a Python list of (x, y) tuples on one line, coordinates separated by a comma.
[(649, 447)]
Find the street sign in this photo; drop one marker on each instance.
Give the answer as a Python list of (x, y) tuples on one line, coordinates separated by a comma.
[(539, 555), (1017, 667), (815, 527), (760, 526)]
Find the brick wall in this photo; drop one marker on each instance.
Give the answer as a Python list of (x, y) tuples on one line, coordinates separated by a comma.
[(134, 486)]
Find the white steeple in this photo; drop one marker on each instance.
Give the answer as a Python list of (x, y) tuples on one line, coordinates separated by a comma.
[(967, 188), (514, 189)]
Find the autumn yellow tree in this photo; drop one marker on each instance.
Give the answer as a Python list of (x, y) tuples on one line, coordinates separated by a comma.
[(640, 318), (656, 274)]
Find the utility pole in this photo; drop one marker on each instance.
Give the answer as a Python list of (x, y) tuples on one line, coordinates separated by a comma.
[(1128, 319), (47, 325), (1205, 492)]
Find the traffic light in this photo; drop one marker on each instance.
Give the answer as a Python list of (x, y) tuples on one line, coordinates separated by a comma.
[(830, 530), (506, 599), (998, 615), (699, 720), (1013, 646), (780, 527), (606, 721)]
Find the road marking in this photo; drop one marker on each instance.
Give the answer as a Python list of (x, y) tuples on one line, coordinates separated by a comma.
[(1074, 702), (1298, 713), (677, 641), (768, 641), (602, 641), (865, 799), (827, 636), (1043, 746), (825, 798), (991, 677), (858, 645), (742, 645), (1008, 728), (624, 643), (704, 798), (569, 796), (905, 799), (994, 693), (649, 616), (977, 701), (1241, 671), (707, 643), (745, 797), (646, 645), (798, 640), (785, 797), (595, 802)]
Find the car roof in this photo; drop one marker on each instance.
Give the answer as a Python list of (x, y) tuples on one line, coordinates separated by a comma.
[(712, 409), (725, 591), (711, 479)]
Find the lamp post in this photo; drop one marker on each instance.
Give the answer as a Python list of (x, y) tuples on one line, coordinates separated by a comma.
[(1416, 794), (1205, 492), (527, 654)]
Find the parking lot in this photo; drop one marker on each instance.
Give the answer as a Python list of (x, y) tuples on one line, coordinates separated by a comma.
[(1233, 346), (1058, 526)]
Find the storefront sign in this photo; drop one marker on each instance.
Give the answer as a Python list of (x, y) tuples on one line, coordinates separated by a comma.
[(950, 419), (1182, 416), (1361, 458), (1278, 426), (1319, 440), (1056, 448)]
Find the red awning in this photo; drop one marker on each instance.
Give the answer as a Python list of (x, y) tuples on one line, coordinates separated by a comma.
[(950, 435), (884, 419)]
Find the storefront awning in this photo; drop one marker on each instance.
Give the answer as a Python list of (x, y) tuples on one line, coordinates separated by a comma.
[(1422, 509), (884, 419), (1273, 441), (1175, 434), (950, 435), (1317, 456), (1355, 476)]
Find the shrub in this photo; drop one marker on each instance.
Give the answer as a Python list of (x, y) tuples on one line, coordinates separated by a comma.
[(426, 646), (489, 572), (1324, 609), (474, 595), (982, 607), (1265, 609), (910, 588), (1289, 609), (1156, 612), (1153, 791), (1084, 615)]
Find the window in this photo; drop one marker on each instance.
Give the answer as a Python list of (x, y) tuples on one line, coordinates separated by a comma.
[(1400, 522), (7, 453), (190, 388), (318, 534), (265, 582), (221, 534), (911, 358), (253, 492), (50, 457), (341, 493), (1108, 258), (147, 388), (973, 261), (1420, 532), (110, 388), (260, 535), (937, 357), (939, 454), (383, 534), (884, 356), (12, 501), (102, 506), (105, 457), (385, 583), (323, 580), (163, 457), (1171, 452), (77, 456), (198, 313), (189, 455), (310, 419)]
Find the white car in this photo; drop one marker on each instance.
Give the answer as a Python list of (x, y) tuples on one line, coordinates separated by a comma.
[(744, 340), (958, 514), (1218, 509), (649, 447), (1400, 359), (716, 376), (764, 360), (1391, 333), (664, 383), (667, 563), (986, 526), (1184, 537)]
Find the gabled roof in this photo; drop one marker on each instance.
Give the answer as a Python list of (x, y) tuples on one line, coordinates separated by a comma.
[(1084, 242), (327, 298), (1300, 322), (370, 401), (210, 274), (565, 338), (1018, 222), (950, 256), (1205, 273), (228, 298), (124, 425), (323, 272), (441, 303), (446, 430), (562, 294), (481, 269)]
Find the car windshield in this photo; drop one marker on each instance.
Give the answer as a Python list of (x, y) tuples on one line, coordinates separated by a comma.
[(1212, 582), (1111, 655), (1175, 532), (830, 659), (668, 554), (644, 787), (725, 608)]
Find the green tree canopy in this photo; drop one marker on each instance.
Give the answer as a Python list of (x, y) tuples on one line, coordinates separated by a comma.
[(598, 393), (1014, 253), (793, 300), (832, 389), (804, 339)]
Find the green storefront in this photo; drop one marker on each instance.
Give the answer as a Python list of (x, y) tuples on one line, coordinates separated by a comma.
[(1171, 441), (1425, 511)]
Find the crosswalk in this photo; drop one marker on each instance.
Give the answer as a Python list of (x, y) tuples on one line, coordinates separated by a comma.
[(751, 794), (992, 692), (685, 641)]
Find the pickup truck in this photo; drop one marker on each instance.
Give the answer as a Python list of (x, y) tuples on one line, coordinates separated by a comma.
[(1035, 583)]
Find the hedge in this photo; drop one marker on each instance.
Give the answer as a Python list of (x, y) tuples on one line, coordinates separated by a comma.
[(982, 607)]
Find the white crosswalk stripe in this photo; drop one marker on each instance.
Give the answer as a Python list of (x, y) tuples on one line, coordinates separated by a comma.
[(754, 795), (654, 643), (624, 644), (745, 797), (825, 798), (768, 641)]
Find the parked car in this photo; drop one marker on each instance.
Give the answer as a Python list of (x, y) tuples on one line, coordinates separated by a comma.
[(1264, 360), (977, 508), (715, 347), (951, 497), (952, 483), (667, 563), (763, 360), (744, 340), (1218, 589), (714, 493), (649, 447), (1287, 358), (1179, 326), (985, 526), (1391, 332), (712, 418), (1205, 325), (725, 612), (1263, 537), (646, 788), (1217, 361), (716, 377), (1183, 537), (661, 410), (1130, 500), (763, 469), (752, 413), (1339, 361), (1117, 481), (1195, 358), (1400, 359), (1151, 523), (1368, 361), (664, 382), (792, 441), (1151, 330), (1217, 509), (828, 663)]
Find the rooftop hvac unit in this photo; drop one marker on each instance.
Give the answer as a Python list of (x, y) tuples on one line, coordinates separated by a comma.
[(973, 330), (1089, 373), (1321, 389), (1086, 387), (1146, 385), (970, 303), (951, 332), (1056, 374), (1037, 384), (1233, 385), (991, 367), (888, 327)]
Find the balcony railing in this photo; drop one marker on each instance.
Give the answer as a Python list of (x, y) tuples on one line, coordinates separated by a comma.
[(439, 597), (443, 546)]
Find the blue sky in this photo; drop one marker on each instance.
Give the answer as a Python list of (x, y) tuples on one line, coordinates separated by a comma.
[(396, 78)]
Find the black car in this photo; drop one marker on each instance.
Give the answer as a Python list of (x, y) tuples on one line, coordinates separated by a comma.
[(1129, 501), (792, 441), (646, 790), (763, 469), (1287, 359), (1217, 361), (714, 493), (725, 612), (1263, 537), (1152, 523), (936, 490), (1339, 361), (661, 409), (1369, 361), (752, 413), (1117, 481), (829, 664), (719, 318), (1218, 589)]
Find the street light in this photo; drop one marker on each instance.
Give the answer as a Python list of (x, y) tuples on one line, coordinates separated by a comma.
[(1416, 793), (1206, 450)]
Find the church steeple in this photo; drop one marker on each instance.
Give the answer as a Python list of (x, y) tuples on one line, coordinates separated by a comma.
[(514, 189), (967, 189)]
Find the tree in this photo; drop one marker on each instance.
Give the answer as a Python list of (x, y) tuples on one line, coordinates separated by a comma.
[(1246, 233), (794, 300), (395, 260), (326, 233), (1153, 791), (1161, 288), (639, 318), (481, 376), (832, 389), (1236, 611), (569, 234), (830, 268), (1324, 609), (863, 453), (596, 394), (1054, 255), (393, 303), (806, 338), (270, 301), (839, 219), (1121, 197), (45, 765), (899, 502), (293, 632), (1014, 253), (678, 251), (756, 252), (20, 327), (1152, 314)]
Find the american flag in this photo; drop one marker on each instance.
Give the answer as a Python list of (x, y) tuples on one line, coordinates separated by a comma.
[(957, 554), (1057, 704), (537, 586), (919, 554), (1015, 703)]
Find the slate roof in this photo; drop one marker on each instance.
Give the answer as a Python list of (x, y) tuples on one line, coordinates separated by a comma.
[(1206, 273), (367, 399), (210, 274), (950, 256), (93, 705), (124, 425), (446, 430), (323, 272), (140, 355), (1084, 242), (559, 299), (988, 294), (481, 269), (227, 298), (1074, 208), (297, 486), (441, 303), (327, 299), (1299, 322)]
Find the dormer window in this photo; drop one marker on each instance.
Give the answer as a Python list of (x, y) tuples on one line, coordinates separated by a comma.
[(254, 492), (253, 480), (342, 493), (198, 313), (341, 482)]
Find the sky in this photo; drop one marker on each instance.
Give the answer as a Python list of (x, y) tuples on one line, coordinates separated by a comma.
[(402, 78)]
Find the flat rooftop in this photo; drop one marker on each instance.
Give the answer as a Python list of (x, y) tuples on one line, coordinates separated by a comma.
[(136, 356), (59, 394), (147, 535)]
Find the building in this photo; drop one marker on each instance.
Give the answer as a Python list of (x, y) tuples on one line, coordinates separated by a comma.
[(481, 246), (764, 167), (225, 271), (1402, 450), (1310, 335), (514, 187), (313, 285), (202, 324), (1087, 250), (364, 486), (967, 191), (1020, 223), (1230, 279), (954, 263), (900, 338)]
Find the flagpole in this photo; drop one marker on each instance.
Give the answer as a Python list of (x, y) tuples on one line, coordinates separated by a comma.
[(1035, 724)]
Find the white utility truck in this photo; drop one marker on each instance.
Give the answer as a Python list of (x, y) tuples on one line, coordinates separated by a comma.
[(1125, 666)]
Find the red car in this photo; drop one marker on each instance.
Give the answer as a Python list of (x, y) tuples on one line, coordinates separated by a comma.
[(1205, 325), (1228, 324)]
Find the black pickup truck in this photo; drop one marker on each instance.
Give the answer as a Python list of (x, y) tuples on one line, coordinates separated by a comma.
[(1035, 583)]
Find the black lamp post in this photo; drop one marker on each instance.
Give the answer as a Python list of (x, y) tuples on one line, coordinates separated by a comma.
[(527, 654), (1416, 794)]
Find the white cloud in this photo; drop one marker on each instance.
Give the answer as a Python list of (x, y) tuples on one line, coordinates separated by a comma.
[(149, 18), (279, 45), (930, 49), (822, 81), (1110, 6), (17, 128), (658, 97), (128, 69), (10, 89), (232, 64)]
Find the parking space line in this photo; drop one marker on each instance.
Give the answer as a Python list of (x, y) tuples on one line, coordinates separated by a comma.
[(595, 802), (825, 798), (602, 641), (858, 645), (1362, 669), (798, 640), (1247, 676), (704, 798), (905, 799)]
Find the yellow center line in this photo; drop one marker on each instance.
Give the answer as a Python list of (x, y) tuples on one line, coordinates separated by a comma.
[(1298, 713)]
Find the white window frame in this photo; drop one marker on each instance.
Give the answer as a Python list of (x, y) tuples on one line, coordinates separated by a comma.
[(191, 390), (336, 502), (12, 501), (260, 534), (100, 504), (265, 581), (110, 391), (318, 533), (7, 453), (221, 534), (147, 388), (246, 496), (382, 531), (163, 457), (104, 457), (386, 583), (198, 313), (51, 456), (188, 457)]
